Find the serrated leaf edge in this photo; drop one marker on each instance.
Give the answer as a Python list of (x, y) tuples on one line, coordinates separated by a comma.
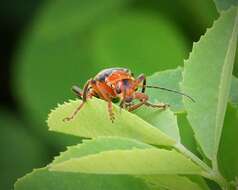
[(202, 172), (85, 142), (195, 45)]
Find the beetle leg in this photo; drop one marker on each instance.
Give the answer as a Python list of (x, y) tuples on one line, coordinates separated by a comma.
[(144, 101), (140, 96), (105, 94), (123, 104), (136, 106), (75, 112), (160, 105), (141, 79), (84, 98), (110, 110)]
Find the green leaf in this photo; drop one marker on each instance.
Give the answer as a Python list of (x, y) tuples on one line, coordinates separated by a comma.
[(171, 79), (172, 182), (225, 4), (43, 179), (164, 120), (233, 99), (186, 132), (134, 162), (200, 181), (93, 121), (228, 154), (207, 78), (167, 79), (100, 144), (235, 71)]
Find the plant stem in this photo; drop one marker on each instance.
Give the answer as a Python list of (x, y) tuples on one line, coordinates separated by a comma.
[(181, 148), (212, 174), (218, 177), (215, 164)]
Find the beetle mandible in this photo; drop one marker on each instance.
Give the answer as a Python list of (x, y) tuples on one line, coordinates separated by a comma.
[(117, 84)]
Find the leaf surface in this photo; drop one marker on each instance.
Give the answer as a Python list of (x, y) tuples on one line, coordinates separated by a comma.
[(172, 182), (233, 99), (186, 132), (44, 179), (93, 121), (134, 162), (228, 154), (171, 79), (167, 79), (90, 147), (100, 144), (225, 4), (165, 120), (207, 78)]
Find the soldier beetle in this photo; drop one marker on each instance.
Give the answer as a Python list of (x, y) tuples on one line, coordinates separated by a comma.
[(118, 85)]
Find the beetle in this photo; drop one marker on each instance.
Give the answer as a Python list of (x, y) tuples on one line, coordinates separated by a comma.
[(117, 85)]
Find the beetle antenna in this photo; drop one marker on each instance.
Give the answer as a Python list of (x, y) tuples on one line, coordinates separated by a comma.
[(174, 91)]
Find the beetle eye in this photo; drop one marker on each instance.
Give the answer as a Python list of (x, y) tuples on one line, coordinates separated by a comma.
[(118, 90)]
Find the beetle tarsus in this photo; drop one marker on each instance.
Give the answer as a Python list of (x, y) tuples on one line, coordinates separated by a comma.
[(75, 113), (67, 119)]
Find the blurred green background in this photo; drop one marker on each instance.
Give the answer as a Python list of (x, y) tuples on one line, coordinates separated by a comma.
[(48, 46)]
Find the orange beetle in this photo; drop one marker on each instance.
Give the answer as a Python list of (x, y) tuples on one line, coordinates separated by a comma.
[(114, 85)]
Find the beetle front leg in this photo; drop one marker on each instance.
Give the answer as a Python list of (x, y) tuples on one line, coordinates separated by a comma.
[(84, 99), (144, 101), (136, 106), (160, 105), (140, 96), (109, 106), (110, 110), (75, 112), (105, 93)]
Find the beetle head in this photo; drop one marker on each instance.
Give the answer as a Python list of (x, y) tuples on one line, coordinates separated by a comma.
[(125, 89)]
